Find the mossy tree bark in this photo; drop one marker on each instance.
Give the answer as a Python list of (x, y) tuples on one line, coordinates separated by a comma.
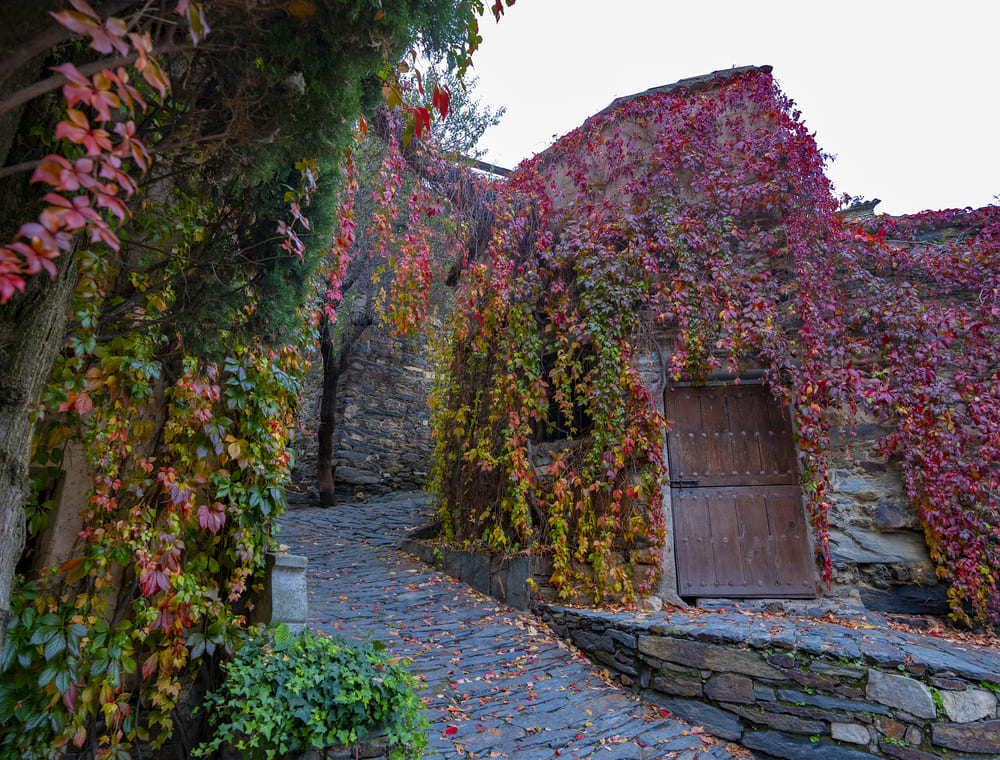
[(32, 331)]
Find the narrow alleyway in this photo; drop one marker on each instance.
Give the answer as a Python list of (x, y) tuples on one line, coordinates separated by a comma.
[(496, 683)]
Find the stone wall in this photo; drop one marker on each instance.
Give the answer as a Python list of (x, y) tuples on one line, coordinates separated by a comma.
[(876, 541), (822, 691), (383, 437), (383, 422)]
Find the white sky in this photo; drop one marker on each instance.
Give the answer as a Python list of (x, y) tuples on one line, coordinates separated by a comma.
[(904, 93)]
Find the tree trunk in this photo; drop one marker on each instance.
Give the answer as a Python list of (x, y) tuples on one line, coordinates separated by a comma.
[(327, 409), (334, 364), (32, 331)]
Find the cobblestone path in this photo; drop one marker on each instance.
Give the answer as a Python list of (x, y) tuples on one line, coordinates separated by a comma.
[(496, 682)]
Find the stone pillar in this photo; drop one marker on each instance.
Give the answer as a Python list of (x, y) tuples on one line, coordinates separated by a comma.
[(284, 599)]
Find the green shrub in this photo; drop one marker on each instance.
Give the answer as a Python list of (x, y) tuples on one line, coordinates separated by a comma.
[(286, 693)]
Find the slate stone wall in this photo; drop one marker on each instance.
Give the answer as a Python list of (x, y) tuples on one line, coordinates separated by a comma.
[(383, 439), (834, 696), (383, 421), (876, 541)]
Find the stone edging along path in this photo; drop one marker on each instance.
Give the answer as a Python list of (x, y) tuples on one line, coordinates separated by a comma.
[(797, 688), (789, 687)]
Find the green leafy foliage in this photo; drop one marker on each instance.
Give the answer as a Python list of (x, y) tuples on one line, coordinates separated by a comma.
[(286, 693), (190, 325)]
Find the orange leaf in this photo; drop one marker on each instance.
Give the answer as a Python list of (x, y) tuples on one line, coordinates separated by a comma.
[(300, 8)]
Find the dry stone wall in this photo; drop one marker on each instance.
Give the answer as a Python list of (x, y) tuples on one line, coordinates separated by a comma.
[(383, 423), (383, 439), (876, 541), (795, 690)]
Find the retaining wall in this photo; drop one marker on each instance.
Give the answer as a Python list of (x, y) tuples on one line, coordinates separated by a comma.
[(795, 688)]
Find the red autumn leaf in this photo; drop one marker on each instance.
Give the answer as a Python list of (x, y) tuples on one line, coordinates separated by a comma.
[(451, 729), (153, 580), (150, 665), (69, 697), (421, 120), (212, 518), (154, 75), (102, 233), (69, 564), (83, 7), (76, 22), (442, 100), (78, 130)]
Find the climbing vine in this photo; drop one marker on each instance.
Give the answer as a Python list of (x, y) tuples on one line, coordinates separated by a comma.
[(698, 223)]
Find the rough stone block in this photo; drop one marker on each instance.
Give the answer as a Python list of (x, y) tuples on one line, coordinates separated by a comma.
[(968, 706), (948, 683), (592, 642), (855, 733), (673, 650), (891, 729), (356, 477), (866, 547), (791, 748), (908, 599), (850, 692), (879, 652), (730, 687), (828, 669), (830, 703), (677, 685), (781, 660), (710, 656), (968, 737), (900, 692), (810, 680), (627, 640), (509, 581), (762, 693), (905, 753), (788, 724), (717, 722)]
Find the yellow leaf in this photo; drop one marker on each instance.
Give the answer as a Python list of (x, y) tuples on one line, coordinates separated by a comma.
[(300, 8)]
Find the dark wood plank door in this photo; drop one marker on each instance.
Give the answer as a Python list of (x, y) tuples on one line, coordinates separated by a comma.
[(739, 525)]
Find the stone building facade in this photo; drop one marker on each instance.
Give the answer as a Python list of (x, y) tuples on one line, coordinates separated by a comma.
[(879, 554)]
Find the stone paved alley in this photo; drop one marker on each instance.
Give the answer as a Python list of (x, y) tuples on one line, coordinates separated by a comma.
[(496, 682)]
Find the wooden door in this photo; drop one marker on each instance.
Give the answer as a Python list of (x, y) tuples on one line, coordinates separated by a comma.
[(739, 525)]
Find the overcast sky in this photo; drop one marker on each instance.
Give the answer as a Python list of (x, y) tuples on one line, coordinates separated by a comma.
[(904, 93)]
